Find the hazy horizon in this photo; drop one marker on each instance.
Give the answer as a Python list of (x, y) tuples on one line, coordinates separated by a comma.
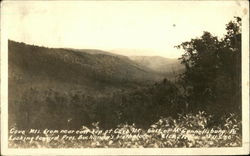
[(113, 51), (142, 28)]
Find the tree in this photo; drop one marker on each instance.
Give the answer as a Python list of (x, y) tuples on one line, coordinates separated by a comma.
[(211, 80)]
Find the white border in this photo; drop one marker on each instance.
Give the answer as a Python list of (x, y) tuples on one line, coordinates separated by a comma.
[(126, 151)]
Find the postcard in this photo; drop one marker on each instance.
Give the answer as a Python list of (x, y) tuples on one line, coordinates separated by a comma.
[(124, 77)]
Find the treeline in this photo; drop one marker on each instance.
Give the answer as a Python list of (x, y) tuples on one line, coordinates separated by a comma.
[(54, 109)]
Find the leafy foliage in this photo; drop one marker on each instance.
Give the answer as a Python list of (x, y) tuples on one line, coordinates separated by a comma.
[(141, 106), (212, 80)]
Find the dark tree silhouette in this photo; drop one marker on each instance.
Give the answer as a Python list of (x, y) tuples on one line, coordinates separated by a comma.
[(212, 80)]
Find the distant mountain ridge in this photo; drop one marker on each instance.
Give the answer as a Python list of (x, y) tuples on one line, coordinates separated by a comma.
[(96, 51), (66, 69), (158, 63)]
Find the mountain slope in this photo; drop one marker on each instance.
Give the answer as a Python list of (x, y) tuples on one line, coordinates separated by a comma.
[(159, 64), (50, 87), (67, 69)]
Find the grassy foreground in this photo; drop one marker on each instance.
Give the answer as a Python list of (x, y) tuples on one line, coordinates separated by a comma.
[(191, 130)]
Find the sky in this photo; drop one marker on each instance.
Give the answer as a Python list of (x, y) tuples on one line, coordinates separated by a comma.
[(123, 27)]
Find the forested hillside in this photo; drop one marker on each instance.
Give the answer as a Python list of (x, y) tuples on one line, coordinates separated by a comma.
[(38, 73)]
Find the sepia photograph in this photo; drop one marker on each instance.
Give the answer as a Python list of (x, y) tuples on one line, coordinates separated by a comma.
[(124, 77)]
